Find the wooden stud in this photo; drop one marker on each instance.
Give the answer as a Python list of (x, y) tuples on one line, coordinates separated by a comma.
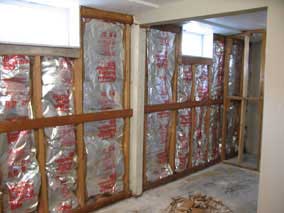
[(78, 99), (126, 105), (228, 49), (244, 102), (36, 101), (88, 12), (207, 118), (192, 98), (260, 104)]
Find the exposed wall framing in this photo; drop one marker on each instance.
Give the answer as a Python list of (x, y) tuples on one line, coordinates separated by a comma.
[(39, 123), (174, 106), (243, 98)]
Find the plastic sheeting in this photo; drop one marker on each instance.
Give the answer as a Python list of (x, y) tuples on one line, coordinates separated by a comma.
[(201, 83), (232, 128), (61, 158), (217, 69), (105, 159), (157, 145), (19, 171), (103, 63), (199, 147), (161, 65), (215, 133), (183, 131), (103, 89), (184, 83), (235, 68)]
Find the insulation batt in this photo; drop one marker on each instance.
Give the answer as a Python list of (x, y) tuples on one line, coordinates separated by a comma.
[(161, 65), (201, 83), (19, 171), (235, 68), (157, 145), (61, 158), (215, 133), (199, 137), (103, 61), (232, 128), (103, 90), (217, 69), (184, 83), (183, 131)]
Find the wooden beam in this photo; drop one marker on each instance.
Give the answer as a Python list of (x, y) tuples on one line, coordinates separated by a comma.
[(88, 12), (126, 105), (78, 103), (39, 134), (260, 104), (12, 49), (25, 124), (244, 102), (176, 106), (189, 60), (168, 28), (228, 49)]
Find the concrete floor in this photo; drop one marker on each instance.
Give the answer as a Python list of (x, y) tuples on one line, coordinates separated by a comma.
[(249, 161), (236, 187)]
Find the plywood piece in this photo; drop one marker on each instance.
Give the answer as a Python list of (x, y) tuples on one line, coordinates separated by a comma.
[(244, 102)]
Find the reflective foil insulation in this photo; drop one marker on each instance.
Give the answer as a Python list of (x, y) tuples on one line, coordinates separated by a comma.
[(201, 83), (105, 159), (103, 63), (233, 122), (103, 90), (199, 137), (217, 69), (184, 83), (157, 145), (19, 171), (235, 68), (160, 65), (61, 158), (215, 133), (183, 131)]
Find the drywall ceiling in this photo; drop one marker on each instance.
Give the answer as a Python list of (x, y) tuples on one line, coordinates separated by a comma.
[(235, 24), (124, 6)]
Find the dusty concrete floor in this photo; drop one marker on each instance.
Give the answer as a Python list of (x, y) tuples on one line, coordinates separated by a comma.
[(236, 187), (249, 160)]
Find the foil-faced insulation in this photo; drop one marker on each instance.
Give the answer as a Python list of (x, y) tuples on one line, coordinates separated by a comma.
[(183, 131), (103, 63), (217, 69), (184, 83), (233, 122), (157, 145), (201, 83), (103, 89), (199, 148), (160, 65), (215, 133), (19, 171), (105, 159), (235, 68), (61, 158)]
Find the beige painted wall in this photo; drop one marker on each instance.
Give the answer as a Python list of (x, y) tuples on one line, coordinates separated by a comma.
[(271, 193)]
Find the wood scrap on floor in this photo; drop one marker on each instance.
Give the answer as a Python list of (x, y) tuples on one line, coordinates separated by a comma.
[(197, 203)]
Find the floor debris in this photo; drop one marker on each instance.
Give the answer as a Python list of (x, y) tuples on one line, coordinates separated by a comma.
[(197, 203)]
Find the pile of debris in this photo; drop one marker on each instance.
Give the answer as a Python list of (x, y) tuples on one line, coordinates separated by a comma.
[(197, 203)]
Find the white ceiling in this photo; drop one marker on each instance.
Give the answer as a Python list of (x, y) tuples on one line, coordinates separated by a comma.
[(123, 6), (235, 24)]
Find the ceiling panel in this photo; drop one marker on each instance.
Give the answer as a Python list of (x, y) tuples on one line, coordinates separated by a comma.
[(124, 6)]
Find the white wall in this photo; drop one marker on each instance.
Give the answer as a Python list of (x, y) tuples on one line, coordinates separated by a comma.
[(271, 193)]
